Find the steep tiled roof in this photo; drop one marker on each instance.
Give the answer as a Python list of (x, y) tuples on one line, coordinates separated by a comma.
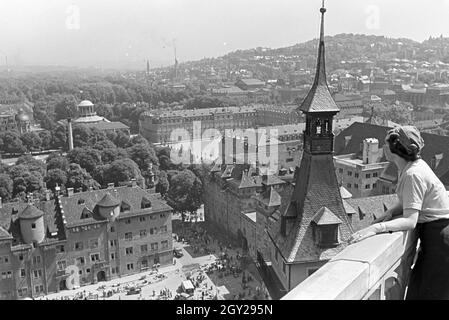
[(316, 187), (271, 180), (4, 234), (74, 205)]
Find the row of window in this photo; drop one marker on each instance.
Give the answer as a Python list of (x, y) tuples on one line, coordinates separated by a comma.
[(144, 248), (356, 174), (143, 233), (367, 186)]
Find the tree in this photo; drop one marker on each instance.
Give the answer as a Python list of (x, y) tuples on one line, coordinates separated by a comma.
[(81, 136), (78, 178), (32, 164), (185, 192), (57, 162), (104, 144), (55, 177), (46, 139), (66, 108), (6, 187), (122, 170), (162, 185), (27, 182), (87, 158), (122, 139), (143, 155), (12, 143), (31, 141), (109, 155), (59, 136)]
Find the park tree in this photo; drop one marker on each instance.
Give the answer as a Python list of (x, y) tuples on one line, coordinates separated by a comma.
[(66, 108), (79, 178), (122, 171), (81, 136), (31, 141), (87, 158), (55, 177), (46, 139), (109, 155), (103, 144), (32, 164), (184, 193), (57, 161), (6, 187), (59, 138), (12, 143), (121, 139)]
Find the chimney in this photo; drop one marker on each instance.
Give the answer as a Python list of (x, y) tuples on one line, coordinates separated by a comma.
[(347, 139), (69, 192), (70, 133), (111, 185), (370, 150), (133, 182), (1, 203)]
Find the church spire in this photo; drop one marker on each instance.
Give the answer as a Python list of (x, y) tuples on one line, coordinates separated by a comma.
[(320, 77)]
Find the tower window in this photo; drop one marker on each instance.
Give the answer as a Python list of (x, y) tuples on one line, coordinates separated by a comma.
[(33, 226)]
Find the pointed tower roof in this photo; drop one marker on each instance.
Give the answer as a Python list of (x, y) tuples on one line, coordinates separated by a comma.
[(31, 212), (108, 201), (319, 98), (326, 217)]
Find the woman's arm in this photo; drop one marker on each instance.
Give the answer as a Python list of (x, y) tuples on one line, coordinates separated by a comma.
[(405, 223)]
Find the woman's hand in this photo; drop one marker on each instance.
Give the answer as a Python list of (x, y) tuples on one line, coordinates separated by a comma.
[(364, 233)]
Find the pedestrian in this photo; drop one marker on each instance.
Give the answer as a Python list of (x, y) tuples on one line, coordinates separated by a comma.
[(424, 205)]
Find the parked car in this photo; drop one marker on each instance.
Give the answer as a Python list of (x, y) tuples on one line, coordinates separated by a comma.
[(177, 252), (133, 290)]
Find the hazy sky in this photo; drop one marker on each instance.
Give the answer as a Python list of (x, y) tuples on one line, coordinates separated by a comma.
[(123, 33)]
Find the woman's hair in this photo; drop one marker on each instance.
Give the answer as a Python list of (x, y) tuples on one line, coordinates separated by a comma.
[(410, 154)]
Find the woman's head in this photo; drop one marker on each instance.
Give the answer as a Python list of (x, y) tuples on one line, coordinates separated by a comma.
[(406, 142)]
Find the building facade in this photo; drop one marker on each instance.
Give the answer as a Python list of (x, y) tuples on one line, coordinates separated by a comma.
[(81, 238)]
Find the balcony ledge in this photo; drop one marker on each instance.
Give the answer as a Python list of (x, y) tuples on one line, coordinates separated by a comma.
[(376, 267)]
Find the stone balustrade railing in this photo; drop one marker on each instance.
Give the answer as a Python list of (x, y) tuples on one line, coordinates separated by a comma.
[(377, 268)]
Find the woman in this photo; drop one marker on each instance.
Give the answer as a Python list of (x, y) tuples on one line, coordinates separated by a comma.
[(424, 204)]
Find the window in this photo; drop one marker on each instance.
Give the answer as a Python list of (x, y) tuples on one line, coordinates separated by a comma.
[(22, 273), (340, 170), (61, 265), (356, 175), (154, 246), (368, 186), (88, 270), (39, 289), (80, 260), (60, 248), (94, 243), (375, 175), (33, 226), (78, 246), (142, 219), (127, 221), (349, 186), (164, 244), (374, 185), (162, 215), (36, 259), (153, 217), (129, 250), (22, 292), (128, 236), (144, 263), (112, 256), (80, 272), (112, 229), (163, 229), (20, 257), (368, 175), (328, 235), (112, 243), (350, 173), (356, 186), (152, 230), (95, 257), (143, 233), (130, 266), (37, 273), (144, 248)]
